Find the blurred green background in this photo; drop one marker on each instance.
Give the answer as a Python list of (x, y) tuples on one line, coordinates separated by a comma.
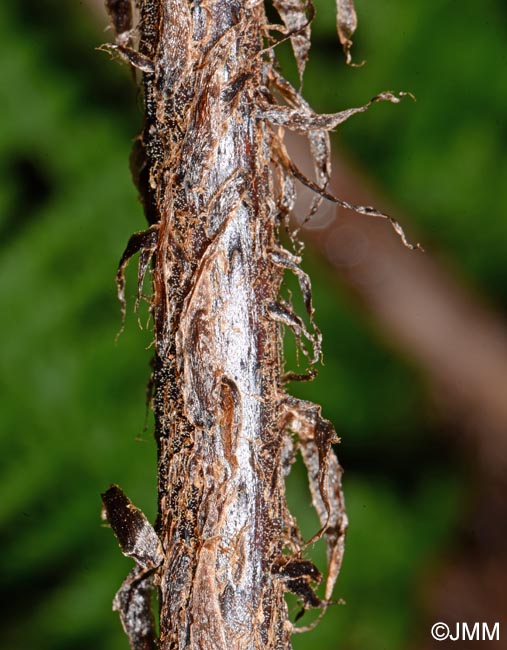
[(73, 415)]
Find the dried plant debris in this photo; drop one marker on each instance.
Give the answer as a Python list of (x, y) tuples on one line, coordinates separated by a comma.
[(217, 185), (137, 540), (316, 436), (298, 576), (120, 14), (297, 16), (346, 23), (135, 534), (144, 243)]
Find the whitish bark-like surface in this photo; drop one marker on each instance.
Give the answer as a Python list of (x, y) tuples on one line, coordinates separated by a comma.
[(217, 184), (217, 362)]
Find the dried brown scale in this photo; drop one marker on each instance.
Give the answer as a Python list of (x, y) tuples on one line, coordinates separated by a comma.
[(283, 313), (133, 603), (216, 184), (320, 145), (294, 15), (346, 23), (286, 260), (366, 210), (315, 436), (135, 534), (120, 14), (136, 60), (303, 120), (140, 242)]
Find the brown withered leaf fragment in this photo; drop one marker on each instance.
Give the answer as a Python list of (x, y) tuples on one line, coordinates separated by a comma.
[(316, 436), (288, 192), (146, 242), (135, 534), (303, 121), (346, 23), (301, 587), (120, 15), (320, 150), (289, 376), (360, 209), (133, 603), (283, 258), (144, 259), (319, 141), (283, 313), (294, 16), (284, 191), (130, 56), (301, 118), (287, 260), (298, 576), (288, 568)]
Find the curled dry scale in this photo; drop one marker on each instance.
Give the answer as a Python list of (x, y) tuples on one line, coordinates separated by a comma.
[(217, 185)]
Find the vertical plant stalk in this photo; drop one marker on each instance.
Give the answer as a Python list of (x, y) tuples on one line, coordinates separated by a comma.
[(217, 363), (216, 184)]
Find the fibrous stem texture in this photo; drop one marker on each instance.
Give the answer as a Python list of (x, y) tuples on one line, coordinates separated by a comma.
[(217, 186)]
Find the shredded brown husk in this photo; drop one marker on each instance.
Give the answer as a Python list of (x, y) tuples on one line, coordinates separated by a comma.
[(217, 185)]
